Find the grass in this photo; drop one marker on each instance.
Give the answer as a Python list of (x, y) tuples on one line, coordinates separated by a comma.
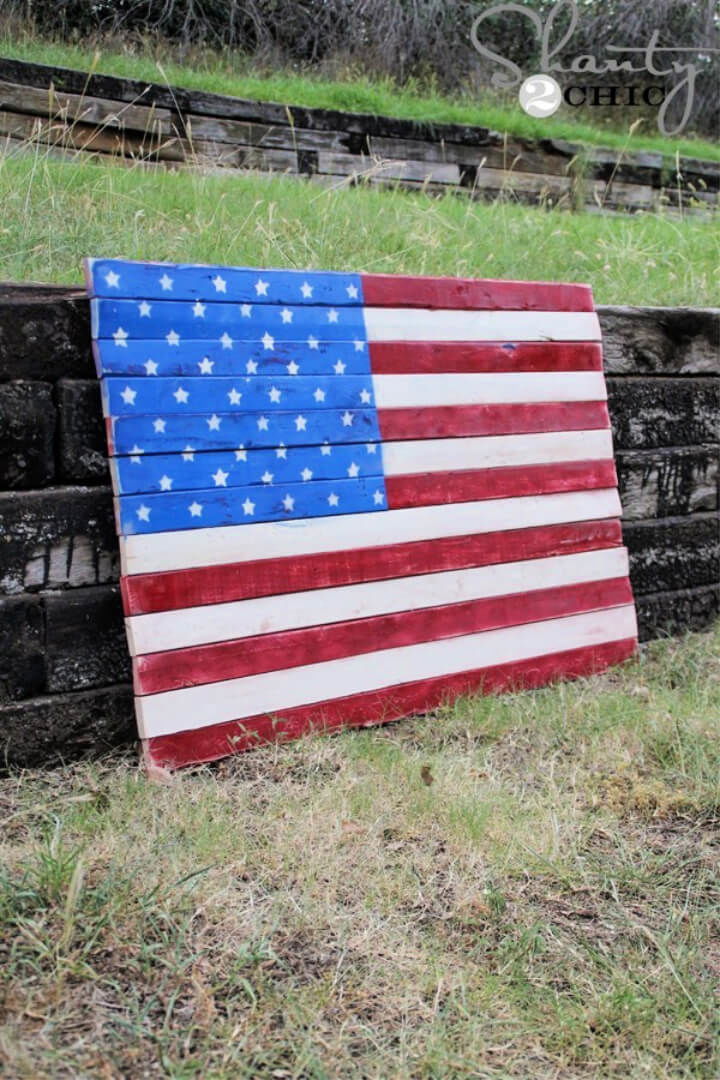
[(514, 887), (54, 213), (237, 75)]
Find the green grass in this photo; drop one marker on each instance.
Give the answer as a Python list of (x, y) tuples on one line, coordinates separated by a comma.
[(236, 75), (54, 213), (546, 907)]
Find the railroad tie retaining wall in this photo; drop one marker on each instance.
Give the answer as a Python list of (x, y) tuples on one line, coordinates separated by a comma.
[(64, 667), (69, 111)]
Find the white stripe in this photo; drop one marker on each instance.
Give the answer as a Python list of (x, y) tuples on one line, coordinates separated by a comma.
[(410, 391), (414, 324), (271, 692), (157, 552), (181, 629), (494, 451)]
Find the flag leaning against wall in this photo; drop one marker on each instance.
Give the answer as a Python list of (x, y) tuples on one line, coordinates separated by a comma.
[(345, 498)]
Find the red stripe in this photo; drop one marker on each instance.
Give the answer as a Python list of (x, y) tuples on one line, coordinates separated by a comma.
[(449, 421), (395, 290), (362, 710), (157, 672), (440, 357), (175, 589), (431, 489)]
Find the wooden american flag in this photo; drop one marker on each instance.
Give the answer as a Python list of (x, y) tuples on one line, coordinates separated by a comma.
[(344, 498)]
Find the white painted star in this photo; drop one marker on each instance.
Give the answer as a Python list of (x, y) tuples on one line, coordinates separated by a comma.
[(262, 423), (281, 451), (226, 341), (268, 341), (166, 483), (306, 290), (347, 419), (159, 426), (241, 454), (144, 308), (172, 338), (326, 449), (120, 337), (251, 367), (195, 509), (135, 453), (378, 498), (206, 365), (333, 499), (128, 396), (267, 477), (288, 503), (234, 396), (286, 315), (150, 367), (332, 315), (306, 473), (300, 423), (143, 513), (198, 310), (313, 342), (166, 283), (189, 453), (220, 477), (112, 279), (220, 284), (365, 397), (181, 395), (261, 287), (213, 422), (353, 469), (274, 394), (246, 310), (248, 507), (359, 345), (319, 394), (371, 447), (292, 368), (352, 292), (339, 368)]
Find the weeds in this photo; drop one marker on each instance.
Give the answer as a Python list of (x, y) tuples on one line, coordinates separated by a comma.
[(55, 213), (319, 909)]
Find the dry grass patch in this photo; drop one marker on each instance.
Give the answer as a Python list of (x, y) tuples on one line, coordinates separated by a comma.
[(511, 887)]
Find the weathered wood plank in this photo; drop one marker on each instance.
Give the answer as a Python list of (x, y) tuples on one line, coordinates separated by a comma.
[(668, 614), (56, 538), (668, 483), (44, 332), (654, 412), (22, 658), (82, 447), (675, 553), (660, 341), (48, 103), (27, 431), (85, 639), (79, 136), (49, 730)]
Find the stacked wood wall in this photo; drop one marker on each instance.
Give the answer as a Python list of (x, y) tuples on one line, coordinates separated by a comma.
[(64, 667), (70, 111)]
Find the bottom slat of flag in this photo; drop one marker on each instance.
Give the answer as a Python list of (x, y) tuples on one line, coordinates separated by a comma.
[(380, 706), (238, 699)]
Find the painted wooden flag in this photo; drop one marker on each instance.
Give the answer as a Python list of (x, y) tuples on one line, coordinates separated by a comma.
[(344, 498)]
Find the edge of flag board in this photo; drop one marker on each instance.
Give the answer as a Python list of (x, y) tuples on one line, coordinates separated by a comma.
[(346, 498)]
